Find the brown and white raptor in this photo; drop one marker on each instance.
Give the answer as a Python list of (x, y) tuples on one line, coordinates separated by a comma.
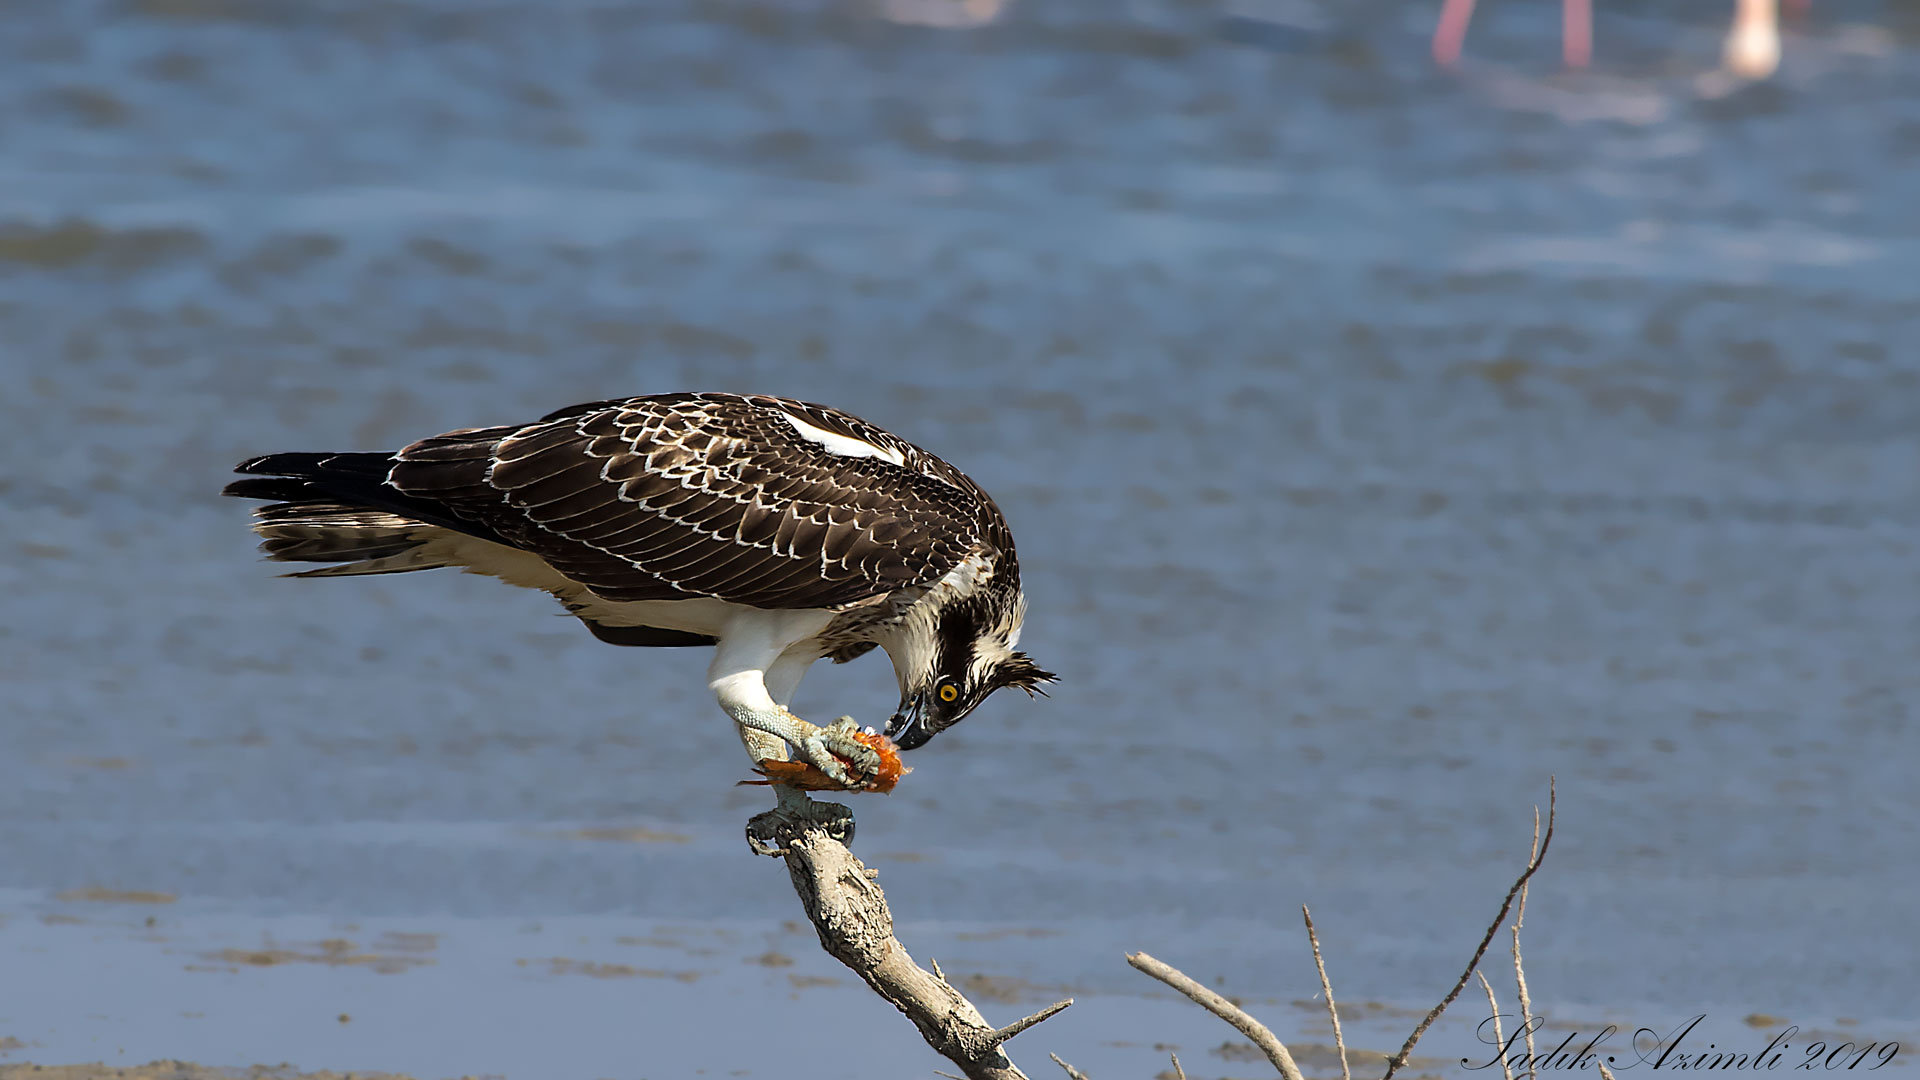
[(776, 531)]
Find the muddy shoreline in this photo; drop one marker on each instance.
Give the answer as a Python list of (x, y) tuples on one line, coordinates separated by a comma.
[(178, 1070)]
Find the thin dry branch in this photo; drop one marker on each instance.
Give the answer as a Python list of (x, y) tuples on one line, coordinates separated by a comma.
[(1072, 1073), (1499, 1037), (1326, 988), (1520, 969), (1026, 1022), (1178, 1072), (843, 900), (1226, 1010), (1399, 1060)]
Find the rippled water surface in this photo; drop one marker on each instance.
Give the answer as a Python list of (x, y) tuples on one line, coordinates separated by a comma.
[(1379, 442)]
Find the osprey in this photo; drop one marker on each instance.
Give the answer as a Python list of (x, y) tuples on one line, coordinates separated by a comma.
[(776, 531)]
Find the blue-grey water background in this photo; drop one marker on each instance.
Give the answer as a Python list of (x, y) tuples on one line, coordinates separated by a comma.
[(1379, 442)]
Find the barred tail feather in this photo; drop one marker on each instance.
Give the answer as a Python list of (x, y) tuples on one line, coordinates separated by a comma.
[(417, 558), (361, 540), (337, 508)]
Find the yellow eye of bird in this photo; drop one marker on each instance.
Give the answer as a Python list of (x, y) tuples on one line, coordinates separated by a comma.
[(949, 692)]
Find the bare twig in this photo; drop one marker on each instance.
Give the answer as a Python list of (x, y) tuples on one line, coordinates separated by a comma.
[(1399, 1060), (1024, 1023), (1605, 1073), (843, 900), (1499, 1037), (1072, 1073), (1178, 1072), (1326, 988), (1226, 1010), (1520, 969)]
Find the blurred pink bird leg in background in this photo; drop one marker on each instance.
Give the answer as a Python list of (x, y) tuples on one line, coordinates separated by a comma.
[(1451, 33), (1576, 31)]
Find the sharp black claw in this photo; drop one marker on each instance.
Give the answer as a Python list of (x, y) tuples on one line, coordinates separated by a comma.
[(773, 832)]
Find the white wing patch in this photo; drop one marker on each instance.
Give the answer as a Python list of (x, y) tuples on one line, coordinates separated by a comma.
[(842, 445)]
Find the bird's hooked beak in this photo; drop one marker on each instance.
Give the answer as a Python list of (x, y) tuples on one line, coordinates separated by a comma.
[(907, 728)]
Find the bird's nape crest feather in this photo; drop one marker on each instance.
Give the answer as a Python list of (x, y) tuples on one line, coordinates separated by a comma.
[(1019, 670)]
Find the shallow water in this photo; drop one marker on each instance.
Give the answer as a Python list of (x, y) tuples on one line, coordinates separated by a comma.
[(1379, 443)]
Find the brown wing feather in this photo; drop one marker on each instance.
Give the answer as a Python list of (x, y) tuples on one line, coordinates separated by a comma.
[(674, 496)]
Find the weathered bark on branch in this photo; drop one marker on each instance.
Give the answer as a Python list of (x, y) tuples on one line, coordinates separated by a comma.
[(843, 900)]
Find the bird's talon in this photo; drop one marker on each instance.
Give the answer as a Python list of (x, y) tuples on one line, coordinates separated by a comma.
[(820, 750), (839, 757), (760, 845), (773, 832), (846, 760)]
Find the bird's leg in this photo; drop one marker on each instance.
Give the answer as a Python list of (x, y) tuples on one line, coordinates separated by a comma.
[(771, 833), (1451, 32), (753, 680), (818, 746), (762, 747), (1576, 32)]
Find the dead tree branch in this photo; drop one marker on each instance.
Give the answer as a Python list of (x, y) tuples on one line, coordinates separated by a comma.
[(1399, 1060), (1226, 1010), (844, 902), (1072, 1073), (1519, 968), (1326, 988), (1499, 1037)]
